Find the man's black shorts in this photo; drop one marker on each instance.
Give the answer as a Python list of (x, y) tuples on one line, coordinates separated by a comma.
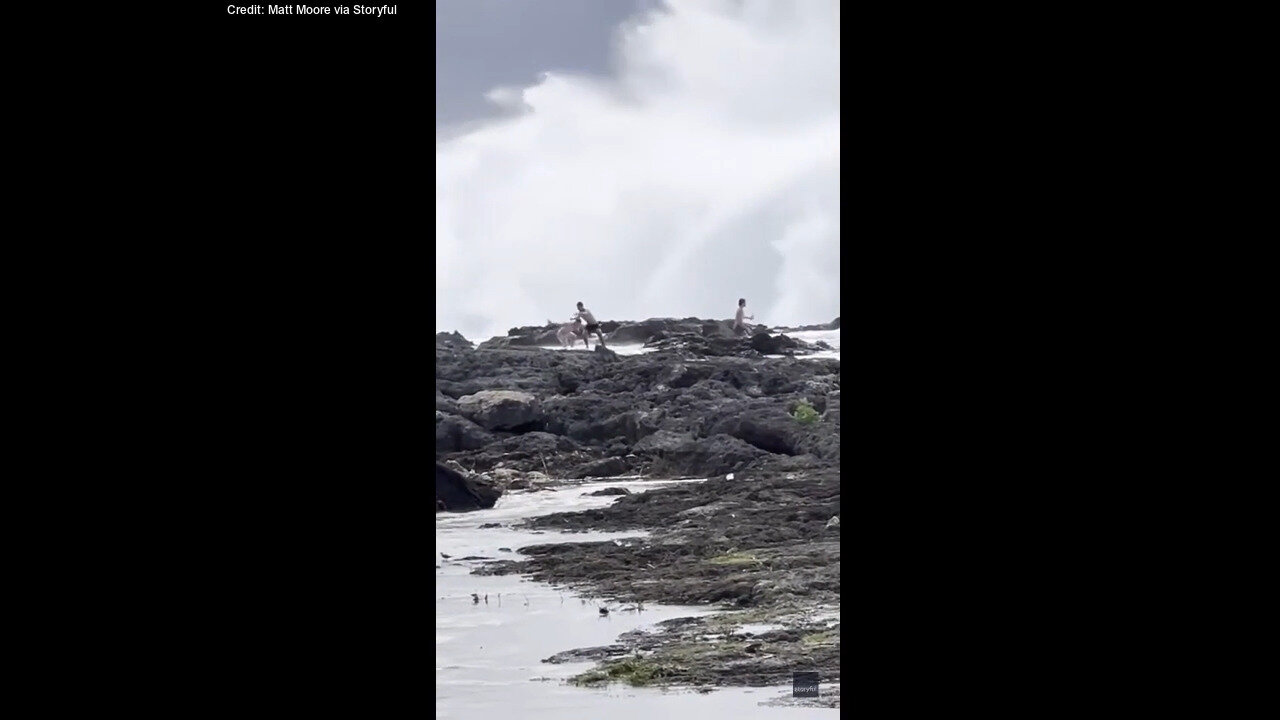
[(593, 327)]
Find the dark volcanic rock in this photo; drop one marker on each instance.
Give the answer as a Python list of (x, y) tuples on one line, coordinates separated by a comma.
[(458, 433), (499, 343), (774, 432), (456, 492), (767, 344), (609, 467), (661, 442), (702, 404), (630, 426), (683, 376), (689, 344), (446, 404), (646, 330), (538, 451), (658, 412), (586, 654), (693, 345)]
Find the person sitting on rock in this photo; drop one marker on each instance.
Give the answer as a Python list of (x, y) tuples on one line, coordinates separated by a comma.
[(739, 327), (585, 315)]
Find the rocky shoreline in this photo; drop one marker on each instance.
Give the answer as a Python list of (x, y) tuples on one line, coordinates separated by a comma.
[(760, 538)]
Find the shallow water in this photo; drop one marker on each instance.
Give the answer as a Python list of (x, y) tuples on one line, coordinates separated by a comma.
[(488, 654), (830, 337), (620, 349)]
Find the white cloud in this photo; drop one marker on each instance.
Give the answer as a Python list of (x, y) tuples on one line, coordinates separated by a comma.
[(705, 170)]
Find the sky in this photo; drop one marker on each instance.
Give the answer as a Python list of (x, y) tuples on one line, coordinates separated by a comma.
[(649, 158)]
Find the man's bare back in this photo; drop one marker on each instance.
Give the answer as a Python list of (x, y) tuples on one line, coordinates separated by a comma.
[(585, 316)]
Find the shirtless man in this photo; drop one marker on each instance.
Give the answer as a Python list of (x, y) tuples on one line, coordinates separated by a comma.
[(585, 315), (739, 327)]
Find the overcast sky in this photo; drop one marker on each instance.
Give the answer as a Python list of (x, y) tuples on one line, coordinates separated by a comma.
[(483, 44), (649, 158)]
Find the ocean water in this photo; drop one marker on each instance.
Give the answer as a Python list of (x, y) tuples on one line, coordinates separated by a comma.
[(488, 654), (830, 337)]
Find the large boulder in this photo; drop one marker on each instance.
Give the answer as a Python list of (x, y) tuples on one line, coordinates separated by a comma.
[(458, 492), (501, 409)]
